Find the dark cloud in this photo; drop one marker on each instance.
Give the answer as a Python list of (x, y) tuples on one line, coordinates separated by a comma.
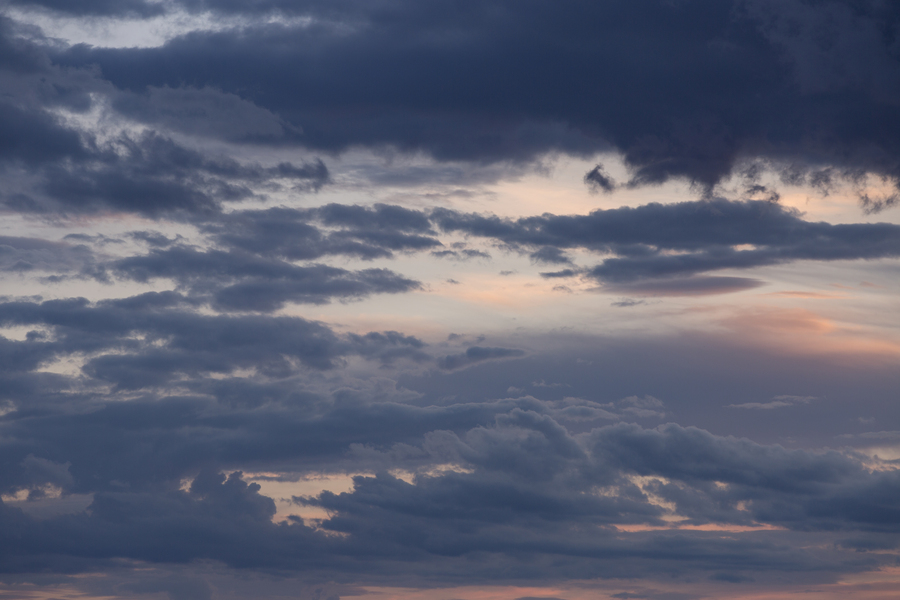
[(597, 179), (672, 242), (476, 354), (148, 340), (153, 238), (461, 254), (23, 255), (333, 229), (97, 8), (697, 376), (521, 495), (152, 175), (127, 423), (687, 286), (36, 137), (550, 255), (628, 303), (241, 281), (205, 112), (698, 85), (148, 174), (53, 165), (563, 274)]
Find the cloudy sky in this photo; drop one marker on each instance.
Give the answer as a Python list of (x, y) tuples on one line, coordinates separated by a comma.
[(449, 300)]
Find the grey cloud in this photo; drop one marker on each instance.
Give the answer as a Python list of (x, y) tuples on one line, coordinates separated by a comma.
[(476, 354), (332, 229), (238, 280), (389, 346), (152, 175), (56, 167), (876, 205), (642, 407), (674, 243), (315, 285), (597, 179), (686, 286), (42, 471), (146, 341), (122, 400), (739, 461), (154, 238), (238, 422), (776, 402), (524, 499), (36, 137), (204, 112), (550, 255), (628, 303), (525, 81), (563, 274), (463, 254), (98, 8), (19, 254)]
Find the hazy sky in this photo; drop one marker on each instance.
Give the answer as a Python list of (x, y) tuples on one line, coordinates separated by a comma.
[(449, 300)]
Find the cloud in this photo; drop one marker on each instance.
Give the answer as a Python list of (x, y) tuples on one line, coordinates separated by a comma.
[(550, 255), (150, 340), (476, 354), (147, 174), (464, 254), (522, 493), (241, 281), (665, 248), (140, 430), (777, 402), (27, 255), (333, 229), (770, 74), (628, 303), (687, 286), (100, 8), (204, 112), (55, 164), (598, 180), (151, 174)]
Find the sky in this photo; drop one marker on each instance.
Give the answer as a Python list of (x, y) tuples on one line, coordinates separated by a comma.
[(449, 300)]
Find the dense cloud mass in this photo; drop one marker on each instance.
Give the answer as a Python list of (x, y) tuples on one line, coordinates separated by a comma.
[(682, 89), (307, 299)]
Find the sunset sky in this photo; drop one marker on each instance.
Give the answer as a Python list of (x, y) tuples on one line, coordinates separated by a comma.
[(449, 300)]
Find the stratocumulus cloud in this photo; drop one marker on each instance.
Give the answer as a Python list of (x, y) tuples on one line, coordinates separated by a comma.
[(461, 299)]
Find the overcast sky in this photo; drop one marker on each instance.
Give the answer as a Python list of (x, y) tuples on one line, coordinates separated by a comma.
[(449, 300)]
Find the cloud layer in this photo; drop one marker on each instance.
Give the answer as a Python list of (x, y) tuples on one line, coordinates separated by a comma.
[(230, 348)]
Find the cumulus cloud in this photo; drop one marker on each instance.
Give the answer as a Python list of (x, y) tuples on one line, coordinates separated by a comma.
[(522, 491)]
